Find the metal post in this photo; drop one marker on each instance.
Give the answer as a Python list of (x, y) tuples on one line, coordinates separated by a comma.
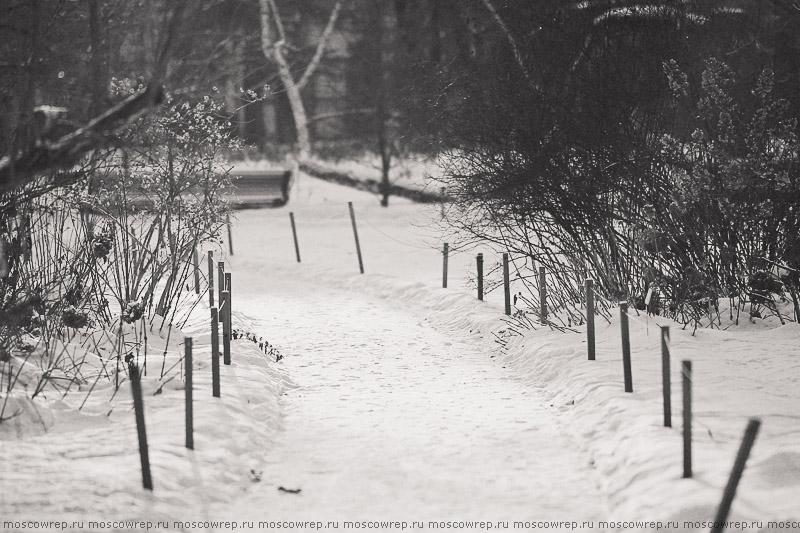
[(187, 344), (665, 376), (294, 234), (479, 260), (626, 346), (506, 285), (355, 234), (590, 319)]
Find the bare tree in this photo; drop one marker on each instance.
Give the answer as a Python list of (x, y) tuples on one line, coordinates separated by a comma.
[(273, 44)]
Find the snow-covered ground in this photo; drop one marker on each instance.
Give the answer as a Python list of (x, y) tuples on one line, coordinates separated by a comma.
[(394, 403)]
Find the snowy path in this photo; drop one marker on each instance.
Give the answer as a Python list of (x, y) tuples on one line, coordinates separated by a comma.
[(394, 419)]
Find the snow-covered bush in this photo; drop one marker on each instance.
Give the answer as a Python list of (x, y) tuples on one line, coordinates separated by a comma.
[(112, 249)]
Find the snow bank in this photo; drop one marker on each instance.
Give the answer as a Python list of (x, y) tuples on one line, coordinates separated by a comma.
[(737, 374)]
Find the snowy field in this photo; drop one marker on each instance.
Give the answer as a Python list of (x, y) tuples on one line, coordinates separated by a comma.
[(393, 403)]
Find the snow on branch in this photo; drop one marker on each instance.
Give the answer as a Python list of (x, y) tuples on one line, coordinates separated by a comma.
[(64, 153)]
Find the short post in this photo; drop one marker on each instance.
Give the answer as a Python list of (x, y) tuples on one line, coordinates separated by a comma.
[(228, 287), (736, 474), (210, 278), (687, 418), (355, 234), (229, 314), (543, 295), (214, 352), (196, 265), (626, 346), (665, 376), (479, 260), (230, 233), (226, 332), (187, 345), (294, 234), (590, 319), (445, 253), (138, 407), (220, 279), (506, 285)]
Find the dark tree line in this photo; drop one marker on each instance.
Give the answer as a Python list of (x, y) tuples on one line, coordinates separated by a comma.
[(647, 145)]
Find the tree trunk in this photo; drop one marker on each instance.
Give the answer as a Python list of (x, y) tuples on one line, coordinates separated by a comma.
[(296, 103), (274, 50), (388, 26)]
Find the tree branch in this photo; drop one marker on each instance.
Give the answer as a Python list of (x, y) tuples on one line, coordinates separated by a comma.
[(338, 114), (512, 42), (68, 150), (323, 42), (18, 169)]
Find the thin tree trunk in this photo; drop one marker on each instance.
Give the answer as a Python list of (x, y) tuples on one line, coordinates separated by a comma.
[(388, 26)]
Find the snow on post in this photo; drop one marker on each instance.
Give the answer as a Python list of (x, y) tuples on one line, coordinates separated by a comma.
[(736, 474), (294, 234), (187, 345), (138, 407), (355, 234), (665, 376), (220, 279), (590, 318), (543, 295), (210, 278), (686, 373), (626, 346), (445, 253), (479, 260), (215, 352), (506, 285)]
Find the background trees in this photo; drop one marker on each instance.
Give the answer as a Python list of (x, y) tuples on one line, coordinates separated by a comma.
[(633, 142), (581, 133)]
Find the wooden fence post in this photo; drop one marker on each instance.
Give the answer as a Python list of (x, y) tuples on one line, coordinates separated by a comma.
[(230, 233), (138, 407), (626, 346), (736, 474), (226, 333), (543, 295), (215, 352), (196, 264), (479, 260), (665, 376), (228, 286), (210, 278), (506, 285), (187, 345), (687, 418), (220, 280), (445, 253), (294, 234), (355, 234), (590, 319)]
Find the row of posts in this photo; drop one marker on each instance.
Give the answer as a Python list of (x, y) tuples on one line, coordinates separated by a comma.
[(223, 314), (218, 315), (686, 372)]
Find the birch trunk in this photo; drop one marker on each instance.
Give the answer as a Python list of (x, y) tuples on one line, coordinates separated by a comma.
[(273, 49)]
